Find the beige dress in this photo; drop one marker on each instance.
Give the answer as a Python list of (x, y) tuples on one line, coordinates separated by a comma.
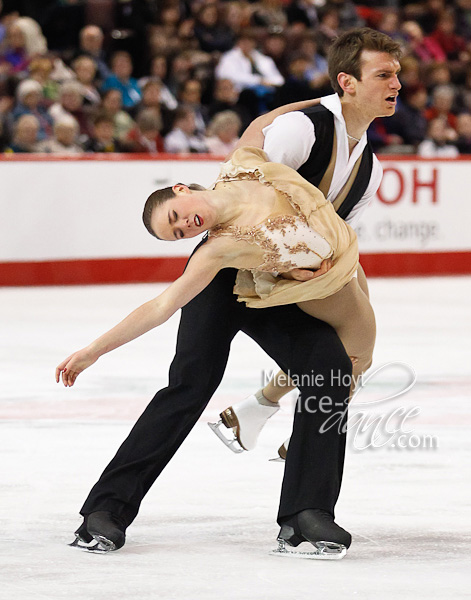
[(303, 231)]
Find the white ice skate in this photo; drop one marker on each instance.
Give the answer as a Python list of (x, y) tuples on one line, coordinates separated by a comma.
[(246, 419)]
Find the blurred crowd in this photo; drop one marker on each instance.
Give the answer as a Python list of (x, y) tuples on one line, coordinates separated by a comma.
[(181, 76)]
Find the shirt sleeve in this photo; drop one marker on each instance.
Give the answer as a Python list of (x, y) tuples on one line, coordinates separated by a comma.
[(289, 139), (375, 180)]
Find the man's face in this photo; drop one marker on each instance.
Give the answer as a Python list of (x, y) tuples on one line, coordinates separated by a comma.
[(376, 94)]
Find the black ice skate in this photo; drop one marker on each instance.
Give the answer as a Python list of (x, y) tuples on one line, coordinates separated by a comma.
[(100, 531), (317, 527)]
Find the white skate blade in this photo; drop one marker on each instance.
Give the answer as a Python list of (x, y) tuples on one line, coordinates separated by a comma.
[(320, 551), (277, 459), (231, 443)]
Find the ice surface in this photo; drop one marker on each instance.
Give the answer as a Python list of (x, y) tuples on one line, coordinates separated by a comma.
[(207, 525)]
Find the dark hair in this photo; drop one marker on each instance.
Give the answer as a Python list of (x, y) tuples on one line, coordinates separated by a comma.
[(102, 117), (345, 53), (159, 197)]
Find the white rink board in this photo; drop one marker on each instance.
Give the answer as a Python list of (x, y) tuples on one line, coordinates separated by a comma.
[(87, 209), (60, 210), (421, 206)]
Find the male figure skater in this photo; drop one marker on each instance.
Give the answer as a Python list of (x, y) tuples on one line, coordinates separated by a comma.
[(363, 67)]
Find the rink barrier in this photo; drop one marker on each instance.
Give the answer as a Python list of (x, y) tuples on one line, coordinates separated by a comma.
[(416, 225), (165, 269)]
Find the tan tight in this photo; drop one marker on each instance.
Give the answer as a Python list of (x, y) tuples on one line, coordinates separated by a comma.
[(350, 313)]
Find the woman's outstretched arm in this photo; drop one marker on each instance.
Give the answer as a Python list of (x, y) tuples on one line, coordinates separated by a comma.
[(200, 271)]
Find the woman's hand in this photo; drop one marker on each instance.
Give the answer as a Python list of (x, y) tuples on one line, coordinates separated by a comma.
[(72, 366), (307, 274)]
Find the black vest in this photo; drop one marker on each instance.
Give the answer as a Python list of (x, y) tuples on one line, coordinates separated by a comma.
[(316, 165)]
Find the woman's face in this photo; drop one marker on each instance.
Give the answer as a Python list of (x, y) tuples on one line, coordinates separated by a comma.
[(184, 216), (113, 101)]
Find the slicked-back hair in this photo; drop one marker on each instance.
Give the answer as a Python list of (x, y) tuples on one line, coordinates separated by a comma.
[(345, 53), (159, 197)]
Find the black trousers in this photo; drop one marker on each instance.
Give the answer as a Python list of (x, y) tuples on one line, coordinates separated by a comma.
[(300, 344)]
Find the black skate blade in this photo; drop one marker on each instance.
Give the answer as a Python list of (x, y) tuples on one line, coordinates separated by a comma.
[(320, 551), (231, 443)]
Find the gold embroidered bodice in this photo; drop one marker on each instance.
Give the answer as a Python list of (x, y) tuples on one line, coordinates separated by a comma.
[(302, 229), (287, 240)]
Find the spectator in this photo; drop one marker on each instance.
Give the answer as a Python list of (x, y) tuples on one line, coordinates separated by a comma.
[(120, 79), (103, 137), (91, 44), (190, 95), (246, 67), (437, 143), (452, 45), (390, 24), (211, 33), (40, 69), (329, 27), (443, 98), (29, 102), (270, 15), (145, 137), (296, 86), (183, 136), (71, 102), (423, 48), (7, 16), (158, 72), (236, 15), (24, 39), (463, 143), (348, 14), (35, 42), (226, 97), (85, 69), (25, 135), (409, 122), (14, 58), (223, 133), (437, 74), (302, 14), (317, 72), (112, 104), (180, 71), (275, 46), (64, 141), (410, 71)]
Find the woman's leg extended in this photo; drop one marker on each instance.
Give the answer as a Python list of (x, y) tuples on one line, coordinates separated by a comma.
[(350, 313), (281, 383), (277, 387)]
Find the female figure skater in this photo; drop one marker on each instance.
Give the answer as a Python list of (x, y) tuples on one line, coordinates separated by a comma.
[(263, 218)]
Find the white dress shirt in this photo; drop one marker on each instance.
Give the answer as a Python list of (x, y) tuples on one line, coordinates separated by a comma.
[(234, 65), (289, 140)]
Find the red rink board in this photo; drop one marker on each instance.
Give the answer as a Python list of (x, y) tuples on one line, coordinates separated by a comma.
[(162, 269)]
